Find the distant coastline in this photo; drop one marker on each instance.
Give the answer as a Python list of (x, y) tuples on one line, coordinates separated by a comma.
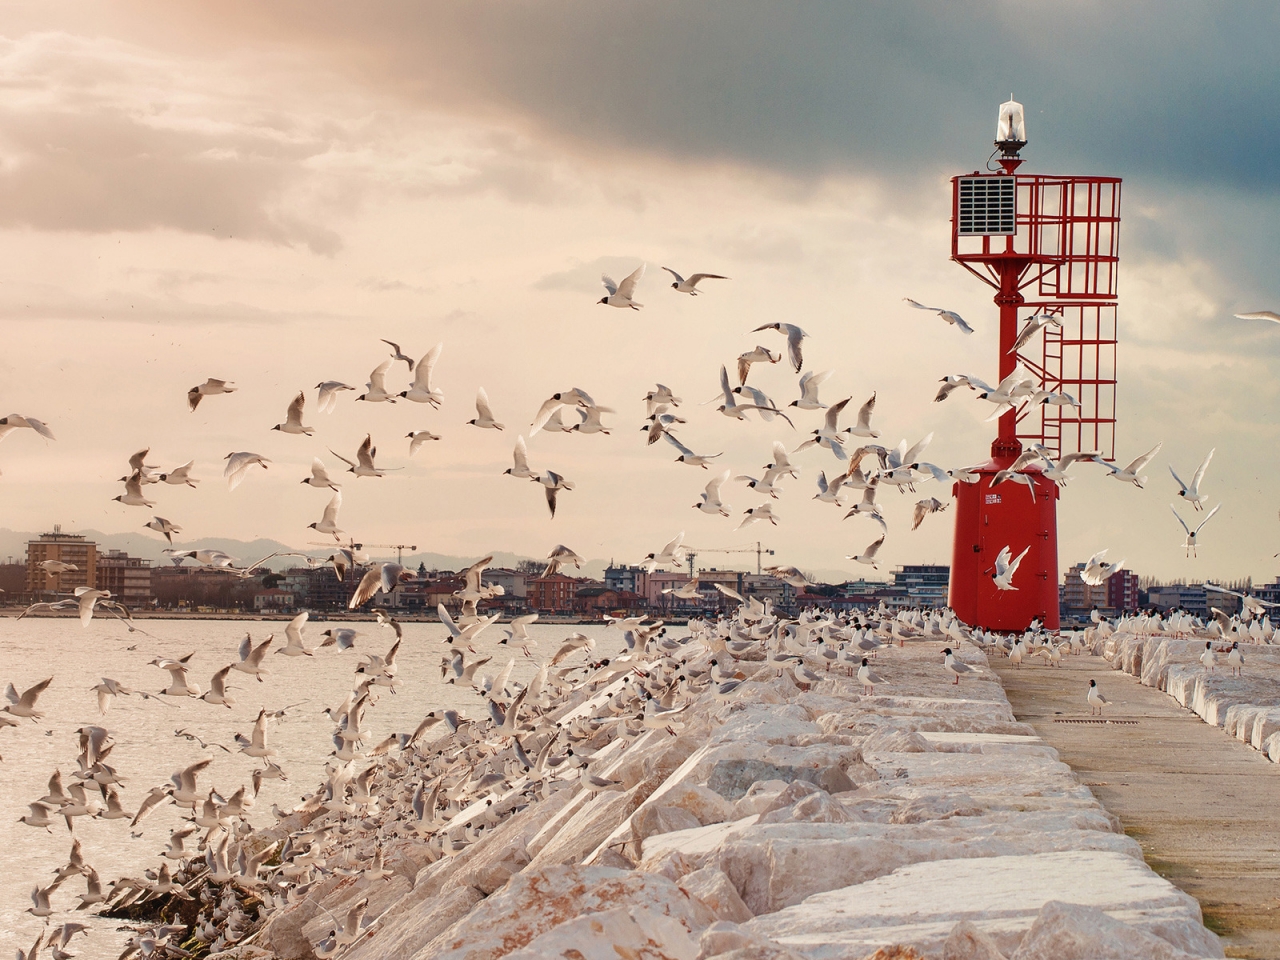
[(13, 612)]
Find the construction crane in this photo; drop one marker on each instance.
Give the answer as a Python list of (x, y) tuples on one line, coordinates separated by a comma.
[(758, 550), (399, 548)]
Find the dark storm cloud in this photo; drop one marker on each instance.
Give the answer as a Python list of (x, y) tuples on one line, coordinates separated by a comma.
[(1176, 90)]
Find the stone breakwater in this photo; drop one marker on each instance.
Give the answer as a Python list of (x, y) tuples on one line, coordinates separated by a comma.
[(1247, 706), (783, 823)]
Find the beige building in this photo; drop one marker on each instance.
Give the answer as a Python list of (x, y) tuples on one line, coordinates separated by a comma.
[(128, 578), (68, 548)]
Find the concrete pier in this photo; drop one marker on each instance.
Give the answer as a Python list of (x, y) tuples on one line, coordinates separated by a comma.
[(1201, 804)]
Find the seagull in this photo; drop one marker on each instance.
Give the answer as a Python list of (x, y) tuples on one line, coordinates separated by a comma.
[(238, 465), (689, 286), (794, 335), (329, 522), (1192, 534), (180, 475), (1130, 473), (161, 525), (1057, 470), (179, 684), (363, 465), (758, 355), (731, 407), (1260, 315), (868, 556), (950, 316), (1192, 493), (756, 514), (957, 380), (688, 456), (869, 678), (1209, 658), (558, 557), (398, 354), (520, 455), (926, 507), (251, 657), (577, 397), (209, 388), (553, 482), (343, 637), (320, 476), (829, 492), (711, 497), (417, 438), (1005, 568), (867, 505), (1034, 324), (132, 496), (829, 435), (294, 647), (327, 396), (791, 575), (376, 388), (660, 397), (25, 705), (293, 419), (620, 294), (257, 745), (217, 692), (421, 391), (591, 422), (764, 403), (1095, 698), (863, 426), (138, 465), (809, 383), (1235, 659), (55, 567), (485, 415), (956, 668), (383, 578), (1095, 572), (672, 555)]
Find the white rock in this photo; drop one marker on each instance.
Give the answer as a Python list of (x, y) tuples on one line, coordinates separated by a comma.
[(538, 900), (712, 888), (654, 819), (967, 942), (921, 903), (624, 932), (1070, 931)]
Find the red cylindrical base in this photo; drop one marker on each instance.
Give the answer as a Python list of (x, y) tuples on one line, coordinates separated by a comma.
[(988, 520)]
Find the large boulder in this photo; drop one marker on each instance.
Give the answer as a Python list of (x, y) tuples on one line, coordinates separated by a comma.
[(539, 900), (1072, 931), (634, 933), (710, 886)]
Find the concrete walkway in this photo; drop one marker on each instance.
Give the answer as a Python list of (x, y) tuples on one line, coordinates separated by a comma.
[(1204, 807)]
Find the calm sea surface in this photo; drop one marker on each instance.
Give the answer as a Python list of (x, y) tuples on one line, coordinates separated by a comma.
[(147, 752)]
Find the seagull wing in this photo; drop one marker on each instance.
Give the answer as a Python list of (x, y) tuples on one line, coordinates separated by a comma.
[(1143, 460), (680, 279), (378, 379), (1260, 315), (713, 486), (482, 405), (1182, 486), (609, 283), (422, 375), (1207, 518), (724, 386), (295, 409), (1183, 522), (670, 438), (548, 407), (331, 511), (1195, 481), (921, 306), (833, 414), (627, 287)]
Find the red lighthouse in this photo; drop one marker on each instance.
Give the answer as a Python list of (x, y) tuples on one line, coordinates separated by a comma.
[(1047, 245)]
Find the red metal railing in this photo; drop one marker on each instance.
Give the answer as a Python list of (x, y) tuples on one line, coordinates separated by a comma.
[(1064, 255)]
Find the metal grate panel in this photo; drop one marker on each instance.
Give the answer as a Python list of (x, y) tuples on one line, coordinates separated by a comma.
[(987, 206)]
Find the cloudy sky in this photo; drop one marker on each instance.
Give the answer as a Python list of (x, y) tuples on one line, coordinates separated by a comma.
[(260, 192)]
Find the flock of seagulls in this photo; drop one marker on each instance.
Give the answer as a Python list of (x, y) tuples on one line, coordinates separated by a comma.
[(527, 740)]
